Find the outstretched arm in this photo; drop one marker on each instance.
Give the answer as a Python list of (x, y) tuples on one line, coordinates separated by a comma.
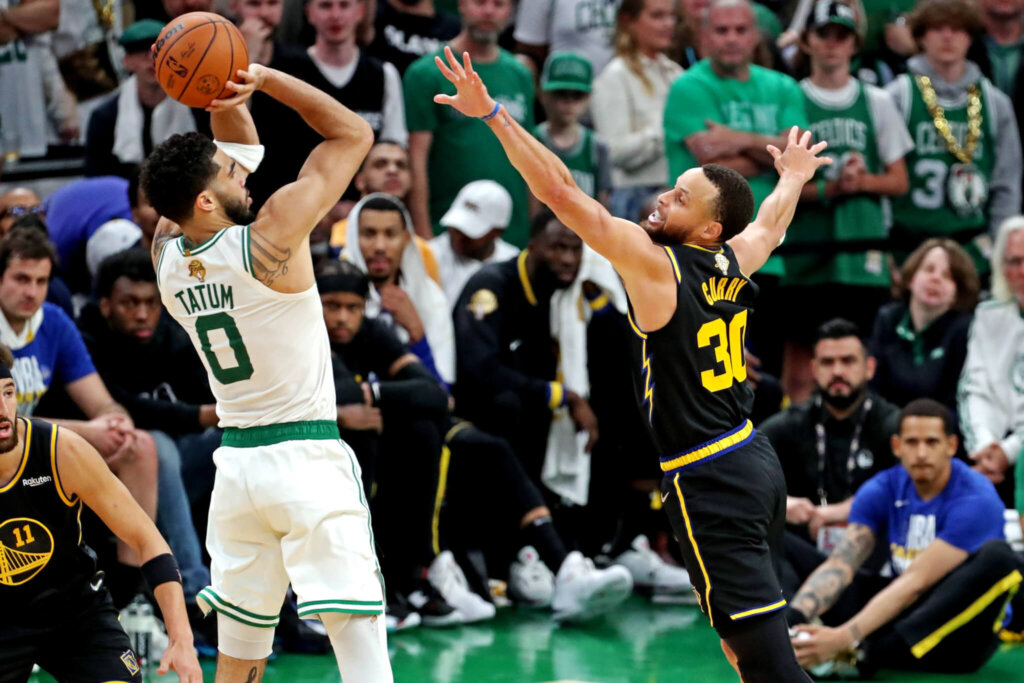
[(625, 244), (796, 166), (83, 473)]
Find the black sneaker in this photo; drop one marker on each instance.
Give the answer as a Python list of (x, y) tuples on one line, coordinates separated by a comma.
[(399, 616), (301, 636), (433, 609)]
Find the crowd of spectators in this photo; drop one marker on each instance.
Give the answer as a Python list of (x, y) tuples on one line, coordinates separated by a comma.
[(481, 353)]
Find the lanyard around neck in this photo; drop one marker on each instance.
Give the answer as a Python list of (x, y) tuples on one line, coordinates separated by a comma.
[(851, 460)]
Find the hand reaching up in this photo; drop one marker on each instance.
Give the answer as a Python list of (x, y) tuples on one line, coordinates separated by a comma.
[(471, 97), (800, 158)]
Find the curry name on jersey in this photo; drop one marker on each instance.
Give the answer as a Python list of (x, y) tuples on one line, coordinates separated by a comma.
[(266, 352), (690, 375)]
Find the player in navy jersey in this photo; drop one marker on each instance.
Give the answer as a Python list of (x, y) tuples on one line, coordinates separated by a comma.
[(687, 276), (57, 612)]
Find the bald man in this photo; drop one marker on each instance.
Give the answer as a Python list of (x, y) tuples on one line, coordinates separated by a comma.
[(17, 202)]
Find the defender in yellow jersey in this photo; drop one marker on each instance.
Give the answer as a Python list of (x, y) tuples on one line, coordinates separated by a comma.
[(288, 505)]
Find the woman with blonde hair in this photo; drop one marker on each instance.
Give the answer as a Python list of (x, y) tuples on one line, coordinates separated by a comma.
[(629, 101)]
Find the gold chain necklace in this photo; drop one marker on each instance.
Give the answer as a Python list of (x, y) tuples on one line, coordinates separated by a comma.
[(938, 114), (104, 13)]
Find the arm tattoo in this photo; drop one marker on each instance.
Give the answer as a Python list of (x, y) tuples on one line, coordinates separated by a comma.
[(826, 584), (160, 239), (856, 546), (269, 261), (253, 677)]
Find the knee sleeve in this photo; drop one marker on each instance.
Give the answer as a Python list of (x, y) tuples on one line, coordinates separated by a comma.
[(242, 641), (360, 646), (764, 653)]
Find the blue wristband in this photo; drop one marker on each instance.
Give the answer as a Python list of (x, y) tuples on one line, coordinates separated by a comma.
[(494, 112)]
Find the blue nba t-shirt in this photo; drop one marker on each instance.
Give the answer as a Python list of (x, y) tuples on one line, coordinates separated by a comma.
[(966, 514), (55, 352)]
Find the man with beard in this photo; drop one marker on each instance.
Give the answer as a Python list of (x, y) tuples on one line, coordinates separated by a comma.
[(507, 360), (830, 445), (243, 289), (449, 151), (59, 614), (686, 275), (380, 240)]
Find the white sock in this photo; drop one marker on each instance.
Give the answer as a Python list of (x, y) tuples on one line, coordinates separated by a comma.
[(361, 647)]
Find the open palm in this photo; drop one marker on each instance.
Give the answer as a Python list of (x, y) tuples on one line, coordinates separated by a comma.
[(471, 96), (799, 157)]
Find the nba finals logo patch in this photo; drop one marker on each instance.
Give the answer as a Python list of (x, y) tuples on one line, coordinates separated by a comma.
[(722, 263), (26, 546), (197, 270), (482, 303), (130, 663)]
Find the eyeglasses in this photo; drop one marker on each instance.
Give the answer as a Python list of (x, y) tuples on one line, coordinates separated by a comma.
[(15, 211)]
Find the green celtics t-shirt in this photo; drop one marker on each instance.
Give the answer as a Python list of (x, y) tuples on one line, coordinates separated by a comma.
[(767, 103), (463, 149)]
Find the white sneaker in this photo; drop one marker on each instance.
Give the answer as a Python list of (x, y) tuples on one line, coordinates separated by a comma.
[(667, 582), (582, 592), (447, 577), (530, 582)]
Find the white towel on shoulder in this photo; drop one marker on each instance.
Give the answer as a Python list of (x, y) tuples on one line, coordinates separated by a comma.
[(169, 117), (566, 469)]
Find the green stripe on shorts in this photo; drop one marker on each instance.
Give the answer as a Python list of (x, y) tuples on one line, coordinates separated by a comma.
[(224, 607), (267, 435)]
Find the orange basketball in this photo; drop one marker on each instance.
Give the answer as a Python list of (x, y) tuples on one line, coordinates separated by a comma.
[(196, 55)]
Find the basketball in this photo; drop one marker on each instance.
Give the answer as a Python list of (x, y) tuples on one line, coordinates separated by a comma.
[(196, 55)]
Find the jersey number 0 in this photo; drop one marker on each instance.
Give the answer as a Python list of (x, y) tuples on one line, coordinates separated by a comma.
[(222, 321), (732, 367)]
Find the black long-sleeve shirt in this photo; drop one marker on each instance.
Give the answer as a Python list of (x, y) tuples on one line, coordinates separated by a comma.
[(915, 364), (369, 358), (503, 337), (162, 383)]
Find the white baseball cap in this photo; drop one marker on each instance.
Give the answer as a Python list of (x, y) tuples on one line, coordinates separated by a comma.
[(480, 206), (112, 237)]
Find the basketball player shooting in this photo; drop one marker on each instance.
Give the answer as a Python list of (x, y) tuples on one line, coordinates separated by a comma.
[(287, 504), (687, 276)]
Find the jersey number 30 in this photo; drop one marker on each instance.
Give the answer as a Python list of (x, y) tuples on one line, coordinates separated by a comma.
[(728, 351), (243, 366)]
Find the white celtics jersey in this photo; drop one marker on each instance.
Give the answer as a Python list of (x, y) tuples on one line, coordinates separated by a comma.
[(266, 352)]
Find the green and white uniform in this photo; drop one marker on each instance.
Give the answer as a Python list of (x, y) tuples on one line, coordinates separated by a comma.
[(947, 197), (855, 119), (287, 506), (587, 160)]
